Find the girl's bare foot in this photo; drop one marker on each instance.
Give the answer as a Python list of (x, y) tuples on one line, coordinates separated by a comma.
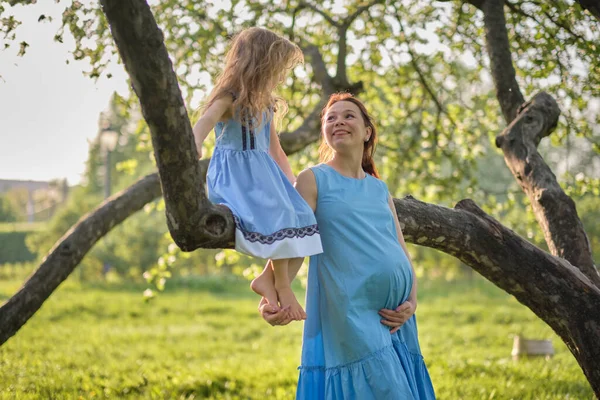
[(288, 299), (263, 285)]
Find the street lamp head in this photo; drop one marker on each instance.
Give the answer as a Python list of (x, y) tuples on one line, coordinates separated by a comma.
[(108, 139)]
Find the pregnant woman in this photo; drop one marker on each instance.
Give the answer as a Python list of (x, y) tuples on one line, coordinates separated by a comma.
[(360, 337)]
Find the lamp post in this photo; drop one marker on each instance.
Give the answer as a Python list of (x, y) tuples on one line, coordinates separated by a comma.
[(108, 142)]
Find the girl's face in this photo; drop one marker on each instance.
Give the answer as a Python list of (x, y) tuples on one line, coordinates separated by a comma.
[(344, 127)]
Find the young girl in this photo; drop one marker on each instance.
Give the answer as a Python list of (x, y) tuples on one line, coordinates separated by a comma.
[(271, 218)]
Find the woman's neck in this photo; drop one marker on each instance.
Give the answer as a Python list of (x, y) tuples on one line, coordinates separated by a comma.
[(349, 165)]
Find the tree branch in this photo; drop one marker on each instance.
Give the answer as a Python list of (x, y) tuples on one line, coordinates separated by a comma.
[(554, 210), (476, 3), (552, 288), (422, 79), (319, 69), (498, 47), (514, 7), (327, 17), (309, 132), (593, 6), (193, 221), (350, 19), (341, 77), (22, 2), (70, 250)]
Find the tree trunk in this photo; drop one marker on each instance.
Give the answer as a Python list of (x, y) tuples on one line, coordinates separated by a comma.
[(554, 210), (560, 294), (193, 221)]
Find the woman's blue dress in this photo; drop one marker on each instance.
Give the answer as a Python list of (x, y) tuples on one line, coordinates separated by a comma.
[(271, 219), (346, 352)]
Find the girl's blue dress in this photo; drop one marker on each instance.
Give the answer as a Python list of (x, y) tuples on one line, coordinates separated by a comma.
[(271, 219), (346, 352)]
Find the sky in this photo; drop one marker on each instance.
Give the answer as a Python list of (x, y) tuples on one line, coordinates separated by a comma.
[(48, 109)]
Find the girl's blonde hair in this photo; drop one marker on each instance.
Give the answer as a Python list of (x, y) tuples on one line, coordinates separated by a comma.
[(256, 63)]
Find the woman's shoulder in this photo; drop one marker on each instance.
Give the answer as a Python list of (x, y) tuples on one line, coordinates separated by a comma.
[(318, 167), (319, 171), (311, 176), (306, 185), (379, 183), (307, 175)]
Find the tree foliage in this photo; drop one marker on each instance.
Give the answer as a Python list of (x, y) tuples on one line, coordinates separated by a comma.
[(423, 70)]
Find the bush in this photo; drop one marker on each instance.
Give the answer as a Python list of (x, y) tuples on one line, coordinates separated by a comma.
[(18, 271), (13, 248)]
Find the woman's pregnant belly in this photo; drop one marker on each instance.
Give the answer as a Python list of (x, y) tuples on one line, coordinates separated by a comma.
[(386, 282), (352, 298)]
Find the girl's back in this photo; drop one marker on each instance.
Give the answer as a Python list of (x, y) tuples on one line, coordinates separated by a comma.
[(249, 134)]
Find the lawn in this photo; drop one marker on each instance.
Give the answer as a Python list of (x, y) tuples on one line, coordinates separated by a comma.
[(203, 339)]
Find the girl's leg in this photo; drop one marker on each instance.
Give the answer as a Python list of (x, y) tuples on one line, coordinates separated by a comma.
[(294, 267), (264, 284), (284, 289)]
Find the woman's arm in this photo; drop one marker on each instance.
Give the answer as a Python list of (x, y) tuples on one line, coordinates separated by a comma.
[(306, 185), (413, 293), (279, 155), (209, 119), (397, 317)]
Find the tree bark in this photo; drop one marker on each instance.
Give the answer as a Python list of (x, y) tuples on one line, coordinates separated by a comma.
[(498, 48), (593, 6), (554, 210)]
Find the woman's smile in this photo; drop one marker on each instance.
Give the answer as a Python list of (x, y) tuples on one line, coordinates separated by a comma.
[(340, 132)]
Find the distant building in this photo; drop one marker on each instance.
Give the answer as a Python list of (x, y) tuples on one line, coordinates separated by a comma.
[(8, 184), (39, 199)]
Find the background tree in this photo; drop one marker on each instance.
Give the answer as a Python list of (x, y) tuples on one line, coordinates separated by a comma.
[(7, 212)]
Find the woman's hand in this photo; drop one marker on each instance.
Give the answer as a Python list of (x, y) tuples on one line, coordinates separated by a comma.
[(396, 318), (273, 314)]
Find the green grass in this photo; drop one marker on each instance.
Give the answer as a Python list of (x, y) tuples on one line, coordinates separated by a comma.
[(203, 339)]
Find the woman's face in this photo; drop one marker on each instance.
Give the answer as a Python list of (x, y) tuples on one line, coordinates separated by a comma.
[(344, 127)]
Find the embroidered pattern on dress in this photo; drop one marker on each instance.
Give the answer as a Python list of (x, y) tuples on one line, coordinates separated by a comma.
[(244, 145), (285, 233), (252, 133)]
